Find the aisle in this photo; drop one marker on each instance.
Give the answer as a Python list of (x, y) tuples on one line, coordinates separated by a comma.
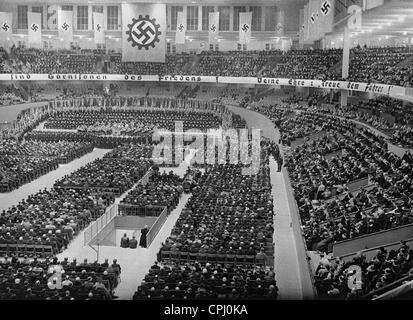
[(47, 181), (286, 259), (287, 265), (135, 263)]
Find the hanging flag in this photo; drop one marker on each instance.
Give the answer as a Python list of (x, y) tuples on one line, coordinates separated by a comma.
[(65, 25), (213, 31), (5, 26), (143, 32), (180, 28), (279, 28), (301, 27), (306, 21), (326, 17), (245, 27), (34, 24), (99, 27), (370, 4), (315, 29)]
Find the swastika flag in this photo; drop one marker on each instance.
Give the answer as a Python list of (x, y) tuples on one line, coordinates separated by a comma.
[(213, 27), (34, 26), (5, 26), (143, 32), (180, 28), (245, 19), (98, 27), (65, 26)]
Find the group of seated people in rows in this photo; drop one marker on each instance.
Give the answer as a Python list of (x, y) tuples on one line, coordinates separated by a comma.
[(194, 280), (361, 277), (327, 155), (380, 65), (50, 217), (51, 279), (138, 120), (162, 190), (64, 151)]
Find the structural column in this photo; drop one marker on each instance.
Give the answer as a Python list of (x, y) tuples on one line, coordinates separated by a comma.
[(345, 64)]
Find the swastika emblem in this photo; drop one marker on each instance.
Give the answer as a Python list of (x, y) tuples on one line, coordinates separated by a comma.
[(34, 27), (143, 32), (5, 27), (245, 27), (325, 8), (314, 17), (65, 26), (213, 28), (181, 27), (98, 27)]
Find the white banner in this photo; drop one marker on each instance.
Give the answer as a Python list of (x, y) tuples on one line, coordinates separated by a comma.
[(65, 26), (180, 28), (383, 89), (245, 19), (314, 12), (143, 32), (5, 26), (213, 27), (99, 27), (34, 23)]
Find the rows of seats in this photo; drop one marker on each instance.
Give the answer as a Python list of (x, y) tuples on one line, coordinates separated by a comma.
[(221, 245), (162, 190), (329, 210), (138, 120), (51, 279), (109, 174), (366, 64), (194, 280), (332, 278)]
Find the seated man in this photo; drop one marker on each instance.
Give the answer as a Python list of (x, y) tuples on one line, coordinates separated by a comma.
[(124, 242), (133, 243)]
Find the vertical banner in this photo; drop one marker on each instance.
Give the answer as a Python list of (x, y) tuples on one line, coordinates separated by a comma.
[(306, 18), (65, 25), (213, 27), (34, 24), (5, 26), (99, 27), (313, 20), (143, 32), (301, 28), (279, 28), (245, 19), (180, 28), (326, 18)]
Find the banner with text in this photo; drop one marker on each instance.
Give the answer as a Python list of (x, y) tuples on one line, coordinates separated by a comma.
[(99, 27), (143, 32), (383, 89)]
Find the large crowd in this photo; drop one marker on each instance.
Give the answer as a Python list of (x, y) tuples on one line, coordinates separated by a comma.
[(381, 65), (51, 279)]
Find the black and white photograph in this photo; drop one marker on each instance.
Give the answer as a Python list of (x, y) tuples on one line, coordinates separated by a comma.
[(205, 159)]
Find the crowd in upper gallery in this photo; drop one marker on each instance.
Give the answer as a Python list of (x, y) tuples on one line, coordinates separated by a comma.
[(388, 65)]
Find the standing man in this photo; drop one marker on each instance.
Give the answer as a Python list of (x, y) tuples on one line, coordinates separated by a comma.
[(280, 162)]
